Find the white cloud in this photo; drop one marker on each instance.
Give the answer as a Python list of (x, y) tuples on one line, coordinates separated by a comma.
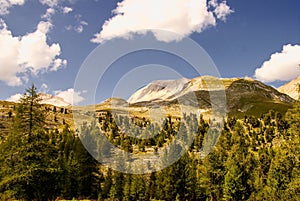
[(84, 23), (70, 96), (9, 51), (44, 27), (50, 3), (282, 66), (44, 88), (6, 4), (15, 98), (78, 29), (49, 13), (79, 26), (66, 10), (27, 54), (58, 63), (221, 10), (35, 52), (182, 17)]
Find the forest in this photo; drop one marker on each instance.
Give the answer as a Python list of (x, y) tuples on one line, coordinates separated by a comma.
[(255, 158)]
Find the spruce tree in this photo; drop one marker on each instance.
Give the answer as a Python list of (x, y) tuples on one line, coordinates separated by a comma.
[(28, 160)]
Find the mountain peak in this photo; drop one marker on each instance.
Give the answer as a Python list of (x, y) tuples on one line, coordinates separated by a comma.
[(168, 90), (159, 90), (53, 100), (291, 88), (114, 101)]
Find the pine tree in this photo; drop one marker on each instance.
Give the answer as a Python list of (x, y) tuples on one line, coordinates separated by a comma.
[(238, 181), (30, 115), (28, 159)]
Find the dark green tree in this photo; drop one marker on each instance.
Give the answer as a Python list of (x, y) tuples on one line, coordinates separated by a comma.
[(28, 161)]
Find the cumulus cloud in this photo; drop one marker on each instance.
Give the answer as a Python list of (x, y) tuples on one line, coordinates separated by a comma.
[(49, 13), (66, 10), (50, 3), (282, 66), (6, 4), (221, 10), (182, 17), (70, 96), (58, 63), (20, 55), (15, 98)]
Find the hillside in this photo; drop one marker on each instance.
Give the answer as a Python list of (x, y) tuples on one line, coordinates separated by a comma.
[(56, 116)]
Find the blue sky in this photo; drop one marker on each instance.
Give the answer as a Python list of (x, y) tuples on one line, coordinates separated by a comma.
[(45, 42)]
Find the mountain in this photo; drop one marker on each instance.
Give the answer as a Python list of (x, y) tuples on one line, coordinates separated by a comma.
[(243, 95), (291, 88), (48, 99), (160, 90), (168, 90), (53, 100)]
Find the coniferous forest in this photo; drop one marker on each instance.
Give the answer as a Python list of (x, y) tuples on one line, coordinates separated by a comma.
[(255, 158)]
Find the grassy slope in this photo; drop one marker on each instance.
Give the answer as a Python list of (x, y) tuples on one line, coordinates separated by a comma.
[(61, 116)]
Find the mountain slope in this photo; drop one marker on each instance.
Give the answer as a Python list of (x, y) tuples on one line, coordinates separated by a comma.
[(252, 97), (291, 88), (168, 90), (159, 90), (243, 96)]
